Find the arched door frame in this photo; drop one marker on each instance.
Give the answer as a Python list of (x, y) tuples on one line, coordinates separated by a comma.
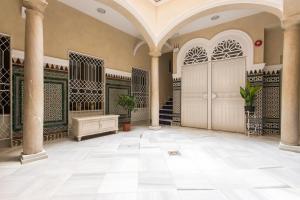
[(241, 37)]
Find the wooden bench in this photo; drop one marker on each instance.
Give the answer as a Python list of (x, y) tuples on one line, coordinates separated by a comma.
[(92, 125)]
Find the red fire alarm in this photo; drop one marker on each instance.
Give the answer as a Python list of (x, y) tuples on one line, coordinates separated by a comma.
[(258, 43)]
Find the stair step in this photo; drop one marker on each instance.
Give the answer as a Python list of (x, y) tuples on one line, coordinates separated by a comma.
[(168, 107), (163, 122), (168, 117), (169, 103), (164, 111)]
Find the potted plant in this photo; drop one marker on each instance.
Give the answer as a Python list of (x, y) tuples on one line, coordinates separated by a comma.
[(248, 93), (128, 103)]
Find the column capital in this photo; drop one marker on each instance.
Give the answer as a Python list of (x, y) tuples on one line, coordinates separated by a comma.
[(37, 5), (155, 53), (291, 22)]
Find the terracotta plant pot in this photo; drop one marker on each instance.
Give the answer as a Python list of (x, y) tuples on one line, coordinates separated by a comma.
[(126, 126)]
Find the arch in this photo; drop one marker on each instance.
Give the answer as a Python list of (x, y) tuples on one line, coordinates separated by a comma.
[(197, 42), (273, 7), (124, 8), (242, 38), (142, 42), (195, 55), (137, 46)]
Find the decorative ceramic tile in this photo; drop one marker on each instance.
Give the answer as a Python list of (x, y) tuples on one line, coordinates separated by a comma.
[(271, 104), (256, 121), (115, 88), (55, 103), (176, 102)]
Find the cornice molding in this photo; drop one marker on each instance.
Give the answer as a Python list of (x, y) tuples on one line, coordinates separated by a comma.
[(117, 74), (55, 61), (256, 67), (272, 68)]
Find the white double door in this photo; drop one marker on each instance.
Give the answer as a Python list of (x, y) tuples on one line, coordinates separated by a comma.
[(210, 96)]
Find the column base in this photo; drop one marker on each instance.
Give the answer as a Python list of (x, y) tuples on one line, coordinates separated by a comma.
[(289, 148), (155, 128), (33, 157)]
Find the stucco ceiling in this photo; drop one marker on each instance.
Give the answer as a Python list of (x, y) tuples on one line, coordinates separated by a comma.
[(115, 19), (111, 17)]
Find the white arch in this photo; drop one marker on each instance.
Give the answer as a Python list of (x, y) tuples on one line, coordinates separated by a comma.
[(201, 42), (141, 43), (275, 7), (138, 45), (243, 38)]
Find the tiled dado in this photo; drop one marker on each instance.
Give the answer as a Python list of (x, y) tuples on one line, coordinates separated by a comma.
[(176, 102), (55, 101), (117, 85)]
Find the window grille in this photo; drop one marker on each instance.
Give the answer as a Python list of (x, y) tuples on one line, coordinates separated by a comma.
[(140, 87), (227, 49), (195, 55), (4, 87), (4, 74), (86, 83)]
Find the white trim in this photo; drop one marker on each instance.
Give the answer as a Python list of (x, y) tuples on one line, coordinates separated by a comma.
[(117, 72), (256, 67), (137, 46), (271, 68), (243, 38), (47, 59), (23, 13)]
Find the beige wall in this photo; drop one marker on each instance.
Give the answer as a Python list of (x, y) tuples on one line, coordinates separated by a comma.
[(254, 26), (67, 29), (291, 7), (165, 78), (273, 46)]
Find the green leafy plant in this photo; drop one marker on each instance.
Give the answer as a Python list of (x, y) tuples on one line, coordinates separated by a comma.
[(248, 93), (127, 102)]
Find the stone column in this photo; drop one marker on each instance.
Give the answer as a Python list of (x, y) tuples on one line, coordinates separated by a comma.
[(155, 90), (33, 82), (290, 86)]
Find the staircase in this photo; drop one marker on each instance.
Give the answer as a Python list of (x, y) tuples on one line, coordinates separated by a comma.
[(166, 113)]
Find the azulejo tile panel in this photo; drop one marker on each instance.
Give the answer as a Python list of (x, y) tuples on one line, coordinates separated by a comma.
[(176, 102), (271, 105), (55, 100), (256, 120), (267, 102), (114, 88)]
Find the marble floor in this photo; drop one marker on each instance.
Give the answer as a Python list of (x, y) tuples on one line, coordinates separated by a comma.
[(203, 165)]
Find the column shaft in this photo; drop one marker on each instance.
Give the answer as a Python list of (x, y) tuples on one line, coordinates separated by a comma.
[(33, 120), (155, 92), (290, 87)]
